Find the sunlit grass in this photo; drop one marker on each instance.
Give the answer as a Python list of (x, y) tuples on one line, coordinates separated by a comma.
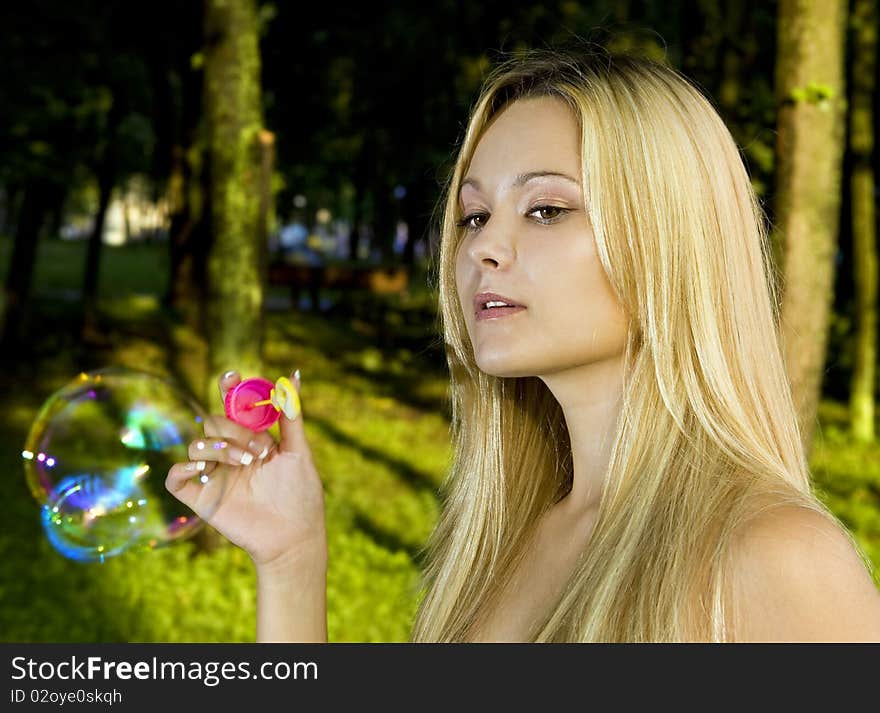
[(846, 477)]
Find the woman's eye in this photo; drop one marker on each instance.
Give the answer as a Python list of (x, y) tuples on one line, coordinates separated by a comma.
[(466, 221), (474, 222), (548, 212)]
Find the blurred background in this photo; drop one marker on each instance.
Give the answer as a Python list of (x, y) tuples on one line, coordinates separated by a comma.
[(190, 187)]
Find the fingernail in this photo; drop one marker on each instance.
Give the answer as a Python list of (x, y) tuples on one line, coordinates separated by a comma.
[(246, 458), (253, 446), (228, 374), (296, 379), (203, 478), (200, 445), (220, 445), (197, 465)]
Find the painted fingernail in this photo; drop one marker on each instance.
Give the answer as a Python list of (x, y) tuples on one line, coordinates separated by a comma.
[(253, 446), (237, 455), (296, 379), (228, 374), (220, 445)]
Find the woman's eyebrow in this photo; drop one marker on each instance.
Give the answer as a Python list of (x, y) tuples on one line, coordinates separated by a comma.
[(521, 179)]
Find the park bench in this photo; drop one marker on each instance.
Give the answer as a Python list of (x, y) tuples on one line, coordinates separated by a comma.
[(375, 279)]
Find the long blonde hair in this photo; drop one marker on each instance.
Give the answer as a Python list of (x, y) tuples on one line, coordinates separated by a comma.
[(707, 435)]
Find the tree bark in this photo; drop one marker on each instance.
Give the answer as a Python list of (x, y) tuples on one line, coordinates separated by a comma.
[(11, 207), (810, 94), (354, 235), (730, 82), (21, 266), (106, 181), (188, 185), (55, 210), (864, 23), (189, 233), (266, 193), (234, 122), (416, 214)]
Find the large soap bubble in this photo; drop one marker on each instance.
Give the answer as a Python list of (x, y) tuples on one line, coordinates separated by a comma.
[(96, 459)]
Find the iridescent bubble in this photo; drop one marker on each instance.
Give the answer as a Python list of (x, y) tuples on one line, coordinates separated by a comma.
[(96, 459)]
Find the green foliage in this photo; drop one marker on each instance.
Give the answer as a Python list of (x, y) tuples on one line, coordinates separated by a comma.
[(813, 93), (846, 477)]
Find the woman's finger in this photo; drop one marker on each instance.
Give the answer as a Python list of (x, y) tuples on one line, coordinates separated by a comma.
[(185, 480), (221, 451), (228, 380), (293, 435), (260, 444)]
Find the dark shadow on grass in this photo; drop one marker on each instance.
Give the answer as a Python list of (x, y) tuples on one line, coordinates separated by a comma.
[(335, 335), (415, 478), (400, 388), (389, 540)]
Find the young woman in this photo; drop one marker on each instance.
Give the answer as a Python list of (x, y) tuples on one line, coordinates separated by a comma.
[(628, 466)]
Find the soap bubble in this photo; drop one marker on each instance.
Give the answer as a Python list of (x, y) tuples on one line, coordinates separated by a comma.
[(96, 459)]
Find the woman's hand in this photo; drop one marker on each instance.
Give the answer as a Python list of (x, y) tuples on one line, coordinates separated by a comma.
[(273, 504)]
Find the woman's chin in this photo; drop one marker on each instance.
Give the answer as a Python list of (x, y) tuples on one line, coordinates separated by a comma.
[(504, 368)]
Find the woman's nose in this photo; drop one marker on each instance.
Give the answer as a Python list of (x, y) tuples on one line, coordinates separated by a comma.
[(492, 246)]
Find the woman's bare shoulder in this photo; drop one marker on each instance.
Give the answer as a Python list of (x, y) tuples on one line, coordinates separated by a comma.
[(797, 577)]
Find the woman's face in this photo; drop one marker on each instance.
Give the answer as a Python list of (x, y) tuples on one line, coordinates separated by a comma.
[(528, 238)]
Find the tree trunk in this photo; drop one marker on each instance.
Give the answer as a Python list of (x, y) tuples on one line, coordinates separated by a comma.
[(384, 222), (810, 93), (21, 266), (416, 214), (234, 122), (10, 207), (55, 210), (189, 232), (106, 179), (730, 82), (864, 24), (354, 235), (266, 215)]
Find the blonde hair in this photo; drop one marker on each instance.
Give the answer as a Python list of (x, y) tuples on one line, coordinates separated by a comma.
[(707, 435)]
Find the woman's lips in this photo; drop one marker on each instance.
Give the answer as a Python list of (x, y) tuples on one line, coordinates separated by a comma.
[(496, 312)]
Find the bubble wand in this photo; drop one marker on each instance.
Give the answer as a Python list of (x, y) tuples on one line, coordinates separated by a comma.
[(257, 403)]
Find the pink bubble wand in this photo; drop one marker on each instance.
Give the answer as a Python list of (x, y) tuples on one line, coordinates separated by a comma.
[(257, 403)]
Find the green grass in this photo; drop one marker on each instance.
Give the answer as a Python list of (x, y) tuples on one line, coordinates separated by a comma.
[(846, 476), (373, 396), (137, 268)]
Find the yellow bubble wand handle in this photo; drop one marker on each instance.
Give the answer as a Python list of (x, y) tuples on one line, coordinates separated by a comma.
[(283, 397)]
